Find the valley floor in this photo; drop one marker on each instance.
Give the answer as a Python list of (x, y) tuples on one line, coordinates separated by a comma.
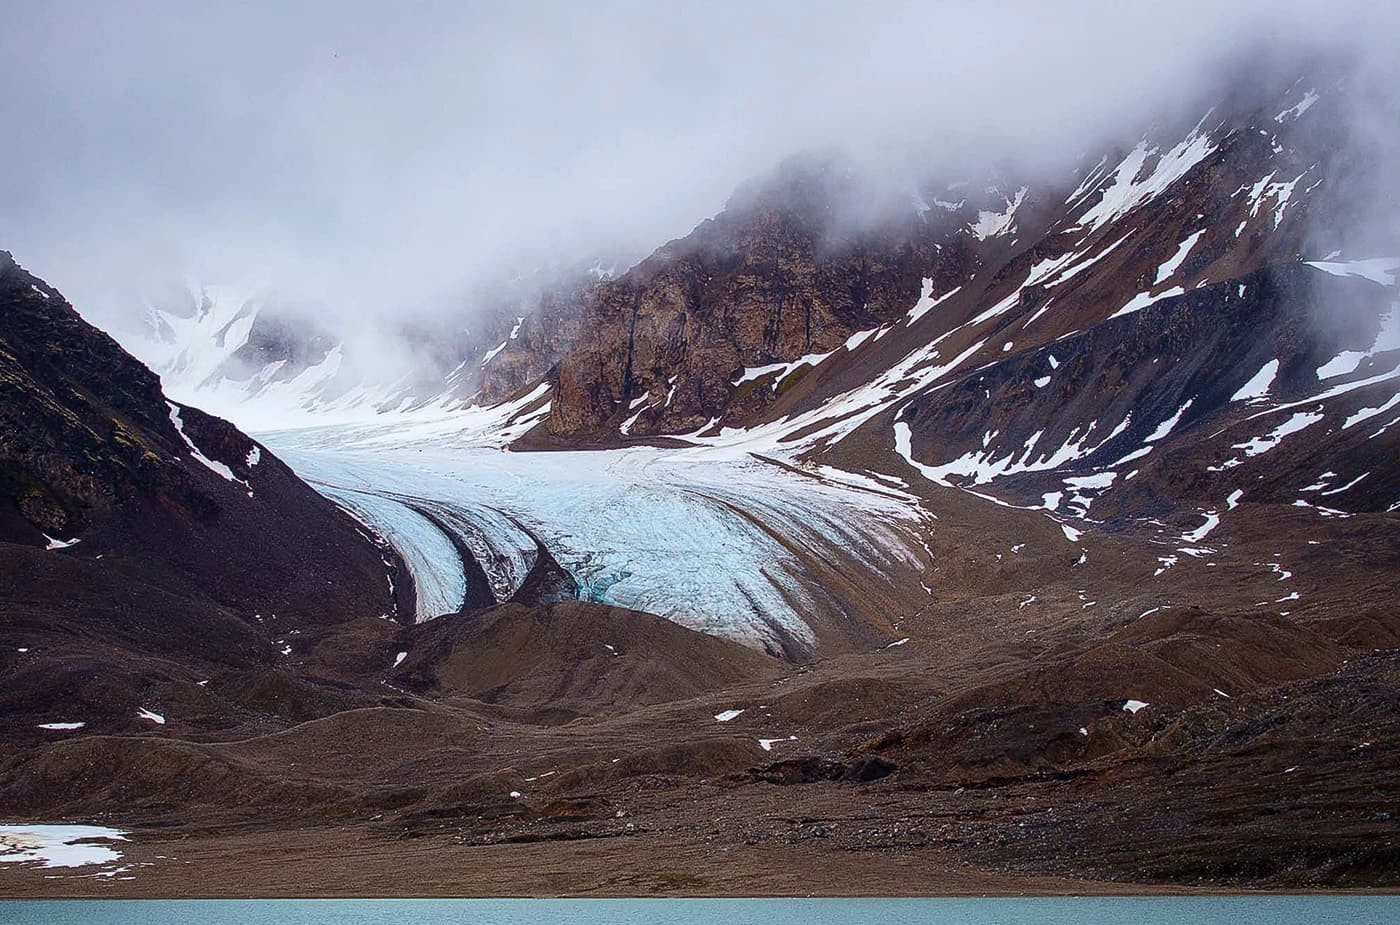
[(901, 689), (350, 861)]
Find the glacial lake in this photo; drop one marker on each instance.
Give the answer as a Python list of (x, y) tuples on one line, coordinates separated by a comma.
[(1235, 910)]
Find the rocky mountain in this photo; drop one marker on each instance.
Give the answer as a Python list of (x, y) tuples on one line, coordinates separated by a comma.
[(1134, 337), (146, 543)]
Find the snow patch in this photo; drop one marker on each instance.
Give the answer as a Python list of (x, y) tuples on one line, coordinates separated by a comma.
[(58, 845), (1378, 269), (1165, 271), (212, 465), (1143, 299), (767, 744), (1126, 192), (926, 301), (991, 224), (1201, 532), (1258, 386), (1343, 364), (1300, 107)]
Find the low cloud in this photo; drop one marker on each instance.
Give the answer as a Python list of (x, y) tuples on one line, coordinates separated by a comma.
[(374, 161)]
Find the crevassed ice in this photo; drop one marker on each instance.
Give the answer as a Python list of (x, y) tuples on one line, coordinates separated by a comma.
[(687, 534)]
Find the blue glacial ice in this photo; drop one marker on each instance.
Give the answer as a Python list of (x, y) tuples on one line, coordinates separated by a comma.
[(708, 541)]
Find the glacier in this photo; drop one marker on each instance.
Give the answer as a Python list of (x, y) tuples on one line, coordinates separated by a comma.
[(715, 541)]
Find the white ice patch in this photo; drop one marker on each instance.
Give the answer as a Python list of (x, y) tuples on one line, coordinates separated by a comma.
[(1365, 414), (1126, 192), (1298, 108), (60, 544), (1165, 271), (61, 727), (757, 372), (983, 466), (991, 224), (625, 428), (1204, 530), (1143, 299), (1280, 192), (1378, 270), (1272, 439), (1132, 706), (1258, 386), (782, 369), (725, 716), (926, 302), (1165, 428), (254, 457), (858, 338), (767, 744), (143, 713), (1343, 364), (58, 845), (398, 659), (212, 465), (491, 354), (1083, 488)]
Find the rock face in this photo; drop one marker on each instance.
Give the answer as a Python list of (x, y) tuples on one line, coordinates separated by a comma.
[(773, 278), (1187, 402), (737, 322), (131, 524), (1135, 336)]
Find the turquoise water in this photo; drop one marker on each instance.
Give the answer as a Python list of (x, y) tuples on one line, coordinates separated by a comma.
[(1235, 910)]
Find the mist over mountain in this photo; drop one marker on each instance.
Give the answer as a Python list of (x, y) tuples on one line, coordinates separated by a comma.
[(374, 178)]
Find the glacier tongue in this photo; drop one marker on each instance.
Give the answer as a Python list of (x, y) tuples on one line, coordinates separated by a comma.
[(702, 541)]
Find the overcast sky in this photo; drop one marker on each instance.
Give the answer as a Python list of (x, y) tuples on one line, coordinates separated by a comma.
[(373, 156)]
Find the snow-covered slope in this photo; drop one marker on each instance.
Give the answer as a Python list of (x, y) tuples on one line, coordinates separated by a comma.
[(250, 356)]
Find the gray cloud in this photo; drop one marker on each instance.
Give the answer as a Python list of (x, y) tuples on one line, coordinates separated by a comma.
[(374, 157)]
